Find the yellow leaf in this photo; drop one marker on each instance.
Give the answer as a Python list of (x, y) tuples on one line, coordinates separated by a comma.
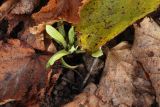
[(102, 20)]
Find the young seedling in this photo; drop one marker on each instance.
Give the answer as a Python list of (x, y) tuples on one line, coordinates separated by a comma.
[(69, 47)]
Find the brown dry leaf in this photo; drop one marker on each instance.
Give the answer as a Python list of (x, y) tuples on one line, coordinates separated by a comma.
[(146, 49), (25, 6), (131, 75), (59, 9), (17, 7), (16, 13), (87, 98), (34, 36), (22, 26), (118, 85), (29, 32), (17, 17), (22, 73), (6, 7), (15, 20)]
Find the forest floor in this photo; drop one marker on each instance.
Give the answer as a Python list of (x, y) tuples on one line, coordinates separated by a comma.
[(127, 75)]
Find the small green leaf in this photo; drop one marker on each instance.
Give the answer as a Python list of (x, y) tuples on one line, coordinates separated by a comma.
[(61, 28), (56, 57), (97, 53), (67, 65), (71, 35), (73, 49), (56, 35)]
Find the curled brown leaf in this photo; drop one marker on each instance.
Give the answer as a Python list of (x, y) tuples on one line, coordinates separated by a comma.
[(67, 10)]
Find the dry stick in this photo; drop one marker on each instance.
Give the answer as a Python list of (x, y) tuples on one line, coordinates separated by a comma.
[(90, 71)]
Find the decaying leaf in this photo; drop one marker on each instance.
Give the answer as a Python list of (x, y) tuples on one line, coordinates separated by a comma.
[(18, 15), (102, 20), (21, 25), (25, 6), (22, 73), (131, 74), (59, 9), (34, 36), (15, 20), (120, 84), (6, 7), (116, 86), (18, 7), (146, 49), (29, 32)]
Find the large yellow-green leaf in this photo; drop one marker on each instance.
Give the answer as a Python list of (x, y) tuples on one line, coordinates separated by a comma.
[(102, 20)]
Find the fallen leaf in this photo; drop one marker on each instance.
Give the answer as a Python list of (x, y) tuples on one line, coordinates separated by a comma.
[(6, 7), (101, 21), (86, 97), (21, 25), (25, 6), (31, 33), (119, 84), (22, 72), (131, 74), (59, 9), (34, 36), (147, 51), (15, 20)]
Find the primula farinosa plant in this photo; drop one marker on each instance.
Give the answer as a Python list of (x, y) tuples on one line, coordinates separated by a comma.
[(68, 47)]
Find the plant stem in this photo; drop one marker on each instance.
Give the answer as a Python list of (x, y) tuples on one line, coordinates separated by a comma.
[(90, 72)]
